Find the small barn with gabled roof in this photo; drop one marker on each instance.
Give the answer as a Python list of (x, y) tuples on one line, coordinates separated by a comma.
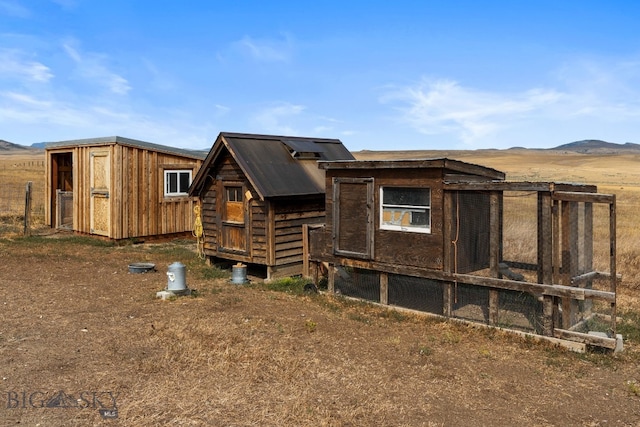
[(119, 187), (257, 191)]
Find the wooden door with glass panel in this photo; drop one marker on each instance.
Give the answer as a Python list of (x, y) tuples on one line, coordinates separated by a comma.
[(233, 211)]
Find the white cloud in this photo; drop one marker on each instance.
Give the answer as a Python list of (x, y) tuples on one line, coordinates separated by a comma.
[(24, 117), (91, 67), (14, 64), (25, 99), (605, 89), (584, 97), (444, 106)]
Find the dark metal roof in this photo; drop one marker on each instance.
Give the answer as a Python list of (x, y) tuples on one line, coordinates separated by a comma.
[(108, 140), (441, 163), (271, 164)]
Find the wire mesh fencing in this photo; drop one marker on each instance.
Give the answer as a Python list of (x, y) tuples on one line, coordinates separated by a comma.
[(548, 265), (13, 201)]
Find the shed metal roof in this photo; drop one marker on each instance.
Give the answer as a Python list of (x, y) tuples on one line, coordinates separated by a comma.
[(269, 162), (108, 140), (456, 166)]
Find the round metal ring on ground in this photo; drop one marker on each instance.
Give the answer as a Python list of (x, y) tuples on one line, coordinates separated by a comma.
[(141, 267)]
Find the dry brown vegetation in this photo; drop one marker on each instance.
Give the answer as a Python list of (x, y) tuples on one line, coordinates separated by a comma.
[(74, 320)]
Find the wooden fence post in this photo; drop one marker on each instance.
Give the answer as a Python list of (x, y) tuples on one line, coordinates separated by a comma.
[(27, 210)]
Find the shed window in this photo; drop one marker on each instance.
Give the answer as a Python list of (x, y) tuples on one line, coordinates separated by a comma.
[(176, 182), (405, 209), (234, 205)]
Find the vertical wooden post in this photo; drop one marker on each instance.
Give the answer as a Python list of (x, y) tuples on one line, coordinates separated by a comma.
[(587, 305), (331, 278), (305, 250), (545, 258), (27, 210), (447, 252), (569, 260), (316, 274), (548, 315), (495, 241), (612, 259), (384, 288)]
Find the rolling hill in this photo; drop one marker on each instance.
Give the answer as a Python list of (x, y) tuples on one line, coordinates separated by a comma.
[(596, 146), (10, 147)]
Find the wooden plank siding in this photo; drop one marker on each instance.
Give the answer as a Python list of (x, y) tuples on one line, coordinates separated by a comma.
[(137, 205), (274, 226), (288, 221)]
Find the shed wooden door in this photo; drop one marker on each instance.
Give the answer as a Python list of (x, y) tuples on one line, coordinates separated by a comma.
[(100, 182), (64, 208), (353, 217), (233, 226)]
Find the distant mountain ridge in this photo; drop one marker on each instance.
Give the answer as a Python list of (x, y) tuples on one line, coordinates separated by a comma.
[(597, 146), (10, 146), (586, 146)]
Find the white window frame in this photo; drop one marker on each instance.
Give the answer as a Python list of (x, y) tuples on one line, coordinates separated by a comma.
[(403, 209), (177, 172)]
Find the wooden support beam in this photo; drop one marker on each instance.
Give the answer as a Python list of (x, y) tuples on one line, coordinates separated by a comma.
[(331, 279), (612, 258), (547, 315), (305, 250), (585, 338), (545, 238), (447, 255), (490, 282), (447, 298), (494, 306), (384, 288), (495, 251), (574, 196), (569, 224)]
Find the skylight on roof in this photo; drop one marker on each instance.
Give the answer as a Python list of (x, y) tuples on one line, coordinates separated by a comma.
[(303, 148)]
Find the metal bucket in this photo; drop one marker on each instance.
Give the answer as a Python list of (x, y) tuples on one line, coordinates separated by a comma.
[(239, 274), (177, 280)]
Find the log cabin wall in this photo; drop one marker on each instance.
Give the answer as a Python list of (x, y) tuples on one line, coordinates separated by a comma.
[(210, 220), (274, 225), (288, 219), (227, 171), (257, 193)]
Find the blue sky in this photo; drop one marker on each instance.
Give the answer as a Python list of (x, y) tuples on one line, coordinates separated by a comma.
[(379, 75)]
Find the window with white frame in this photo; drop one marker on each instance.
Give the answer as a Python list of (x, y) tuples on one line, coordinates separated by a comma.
[(176, 182), (405, 209)]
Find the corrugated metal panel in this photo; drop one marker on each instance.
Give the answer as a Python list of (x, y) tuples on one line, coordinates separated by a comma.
[(272, 169), (267, 162)]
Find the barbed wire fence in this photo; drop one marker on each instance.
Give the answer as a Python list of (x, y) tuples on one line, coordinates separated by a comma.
[(21, 208)]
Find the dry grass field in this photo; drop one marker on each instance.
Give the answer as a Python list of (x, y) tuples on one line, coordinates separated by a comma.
[(84, 341), (16, 169)]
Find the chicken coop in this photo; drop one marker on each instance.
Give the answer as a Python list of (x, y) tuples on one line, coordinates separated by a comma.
[(456, 239), (256, 193)]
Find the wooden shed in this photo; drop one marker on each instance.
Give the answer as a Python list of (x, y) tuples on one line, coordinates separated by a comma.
[(394, 212), (119, 187), (457, 240), (257, 191)]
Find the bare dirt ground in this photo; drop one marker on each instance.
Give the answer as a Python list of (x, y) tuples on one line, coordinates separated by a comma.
[(84, 341)]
